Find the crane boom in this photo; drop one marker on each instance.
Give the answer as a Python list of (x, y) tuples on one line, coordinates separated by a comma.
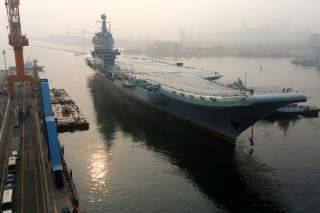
[(17, 41)]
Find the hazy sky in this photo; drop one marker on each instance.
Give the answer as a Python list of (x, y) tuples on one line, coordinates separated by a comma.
[(163, 19)]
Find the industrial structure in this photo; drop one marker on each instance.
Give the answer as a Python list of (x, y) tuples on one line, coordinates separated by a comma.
[(50, 130), (17, 41), (40, 181)]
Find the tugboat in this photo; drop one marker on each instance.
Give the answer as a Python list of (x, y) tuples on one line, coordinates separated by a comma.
[(296, 110)]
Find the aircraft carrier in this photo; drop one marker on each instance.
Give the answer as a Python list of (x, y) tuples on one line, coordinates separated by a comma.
[(187, 93)]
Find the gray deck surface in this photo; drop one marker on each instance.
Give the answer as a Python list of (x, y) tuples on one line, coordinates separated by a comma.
[(180, 78)]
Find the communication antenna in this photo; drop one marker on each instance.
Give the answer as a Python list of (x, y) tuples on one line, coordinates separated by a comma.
[(5, 63)]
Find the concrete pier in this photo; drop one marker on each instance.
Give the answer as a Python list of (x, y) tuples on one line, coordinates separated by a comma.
[(34, 189)]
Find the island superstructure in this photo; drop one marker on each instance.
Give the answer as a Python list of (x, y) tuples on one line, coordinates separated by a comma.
[(104, 53), (187, 93)]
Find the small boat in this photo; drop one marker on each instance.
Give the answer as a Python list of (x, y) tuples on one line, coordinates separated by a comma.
[(295, 110)]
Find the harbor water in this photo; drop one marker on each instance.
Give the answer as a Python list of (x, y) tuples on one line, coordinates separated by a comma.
[(133, 159)]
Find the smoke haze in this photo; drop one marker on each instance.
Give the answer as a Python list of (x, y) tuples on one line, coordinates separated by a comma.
[(167, 19)]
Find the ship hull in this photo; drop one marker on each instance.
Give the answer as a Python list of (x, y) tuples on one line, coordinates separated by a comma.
[(225, 123), (184, 92)]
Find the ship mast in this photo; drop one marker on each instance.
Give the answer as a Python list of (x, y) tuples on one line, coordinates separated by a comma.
[(104, 23)]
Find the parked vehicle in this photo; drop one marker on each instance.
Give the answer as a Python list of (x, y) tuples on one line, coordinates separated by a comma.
[(15, 154), (9, 186), (10, 179), (7, 199), (65, 210), (12, 164)]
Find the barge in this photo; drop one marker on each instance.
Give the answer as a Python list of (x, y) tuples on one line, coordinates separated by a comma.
[(66, 113)]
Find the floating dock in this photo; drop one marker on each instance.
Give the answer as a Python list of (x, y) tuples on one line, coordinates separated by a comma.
[(67, 114)]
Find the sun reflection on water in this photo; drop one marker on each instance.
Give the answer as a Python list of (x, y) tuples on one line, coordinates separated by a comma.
[(98, 170)]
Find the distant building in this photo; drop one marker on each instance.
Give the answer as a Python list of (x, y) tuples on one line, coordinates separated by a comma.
[(314, 40), (165, 48), (182, 38)]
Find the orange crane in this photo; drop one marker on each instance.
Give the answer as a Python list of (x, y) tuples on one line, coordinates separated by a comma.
[(17, 41)]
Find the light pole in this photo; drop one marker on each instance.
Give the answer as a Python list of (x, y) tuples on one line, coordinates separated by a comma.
[(5, 64)]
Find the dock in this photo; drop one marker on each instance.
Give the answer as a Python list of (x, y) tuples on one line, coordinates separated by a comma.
[(34, 174), (66, 113)]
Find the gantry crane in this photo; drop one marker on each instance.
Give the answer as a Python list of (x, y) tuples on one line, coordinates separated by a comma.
[(17, 41)]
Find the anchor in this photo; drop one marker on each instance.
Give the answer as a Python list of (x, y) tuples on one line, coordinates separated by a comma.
[(251, 137)]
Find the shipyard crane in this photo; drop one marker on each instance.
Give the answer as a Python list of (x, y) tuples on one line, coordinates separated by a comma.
[(17, 41)]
